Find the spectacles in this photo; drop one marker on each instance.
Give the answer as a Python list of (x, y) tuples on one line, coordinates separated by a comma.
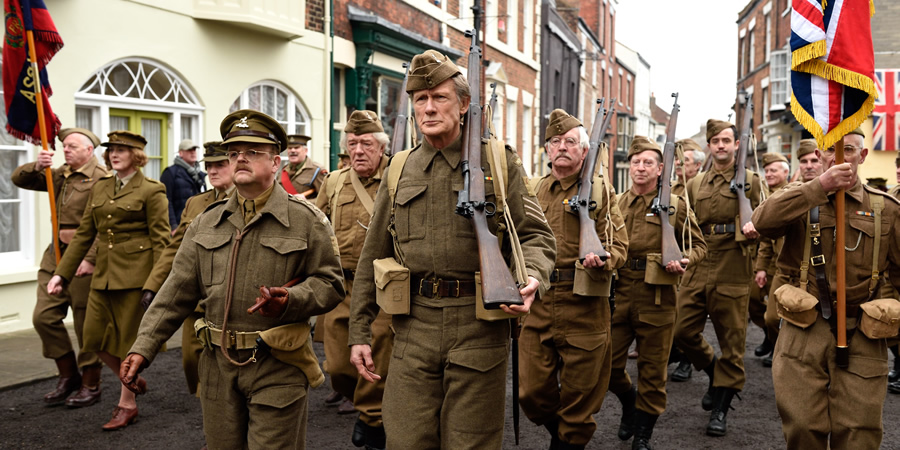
[(847, 149), (570, 142), (252, 155)]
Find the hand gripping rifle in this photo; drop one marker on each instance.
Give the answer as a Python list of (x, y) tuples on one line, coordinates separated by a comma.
[(497, 284), (398, 137), (581, 203), (660, 206), (739, 184)]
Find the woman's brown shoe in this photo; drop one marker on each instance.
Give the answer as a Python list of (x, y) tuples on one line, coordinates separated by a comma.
[(121, 418)]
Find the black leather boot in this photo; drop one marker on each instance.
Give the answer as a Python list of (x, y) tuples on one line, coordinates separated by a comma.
[(368, 436), (683, 371), (643, 430), (764, 348), (707, 402), (626, 426), (553, 428), (717, 425)]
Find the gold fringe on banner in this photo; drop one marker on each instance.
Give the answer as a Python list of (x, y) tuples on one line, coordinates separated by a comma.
[(806, 53)]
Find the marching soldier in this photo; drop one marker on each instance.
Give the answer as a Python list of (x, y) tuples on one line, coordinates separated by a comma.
[(821, 404), (219, 170), (301, 176), (566, 330), (646, 312), (718, 287), (348, 200), (72, 183), (776, 169), (693, 163), (447, 383), (262, 252)]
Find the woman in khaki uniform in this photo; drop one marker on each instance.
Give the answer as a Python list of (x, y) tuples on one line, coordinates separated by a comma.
[(129, 214)]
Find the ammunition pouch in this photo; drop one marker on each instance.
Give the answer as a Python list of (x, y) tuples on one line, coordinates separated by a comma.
[(591, 282), (392, 288), (880, 318), (796, 306), (655, 272)]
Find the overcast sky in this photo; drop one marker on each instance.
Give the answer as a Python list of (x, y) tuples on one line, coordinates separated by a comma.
[(691, 46)]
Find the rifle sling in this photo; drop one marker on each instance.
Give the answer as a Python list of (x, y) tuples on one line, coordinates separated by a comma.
[(817, 263)]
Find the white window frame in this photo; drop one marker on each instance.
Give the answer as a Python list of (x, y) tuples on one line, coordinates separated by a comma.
[(527, 28), (293, 101)]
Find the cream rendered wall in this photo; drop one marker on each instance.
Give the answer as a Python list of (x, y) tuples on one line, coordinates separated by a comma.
[(218, 61)]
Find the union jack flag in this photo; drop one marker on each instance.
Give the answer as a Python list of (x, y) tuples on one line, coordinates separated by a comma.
[(886, 127), (832, 66)]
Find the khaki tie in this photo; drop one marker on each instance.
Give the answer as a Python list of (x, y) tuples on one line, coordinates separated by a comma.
[(118, 185), (249, 210)]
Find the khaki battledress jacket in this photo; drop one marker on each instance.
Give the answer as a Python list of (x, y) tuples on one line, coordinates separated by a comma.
[(440, 350), (821, 404)]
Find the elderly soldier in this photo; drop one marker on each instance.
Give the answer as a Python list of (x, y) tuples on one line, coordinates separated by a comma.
[(183, 180), (564, 345), (348, 201), (448, 371), (646, 312), (301, 176), (821, 404), (693, 162), (255, 368), (72, 183), (776, 169), (718, 287), (220, 171)]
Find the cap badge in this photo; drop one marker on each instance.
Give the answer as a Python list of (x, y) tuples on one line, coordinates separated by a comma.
[(243, 123)]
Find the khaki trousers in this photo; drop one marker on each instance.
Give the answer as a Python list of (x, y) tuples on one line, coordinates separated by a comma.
[(758, 304), (259, 406), (565, 355), (725, 302), (638, 317), (51, 310), (367, 397), (447, 387), (817, 400)]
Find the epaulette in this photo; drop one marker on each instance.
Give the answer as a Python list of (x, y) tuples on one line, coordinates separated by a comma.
[(872, 190), (108, 175), (320, 216), (214, 204), (153, 180)]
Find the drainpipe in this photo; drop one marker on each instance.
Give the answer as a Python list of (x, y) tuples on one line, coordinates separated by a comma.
[(328, 63)]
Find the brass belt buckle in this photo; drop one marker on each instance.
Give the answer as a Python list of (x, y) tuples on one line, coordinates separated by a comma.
[(817, 260), (435, 288), (457, 289), (232, 339), (421, 285)]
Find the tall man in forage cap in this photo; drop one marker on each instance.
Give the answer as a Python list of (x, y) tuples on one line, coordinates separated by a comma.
[(301, 176), (183, 180), (777, 169), (821, 404), (220, 172), (693, 162), (348, 199), (261, 249), (718, 287), (646, 312), (447, 385), (564, 346), (72, 183)]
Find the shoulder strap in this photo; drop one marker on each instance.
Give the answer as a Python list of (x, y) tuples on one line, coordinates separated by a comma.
[(396, 169), (361, 193), (694, 187), (333, 186), (534, 184), (877, 202), (497, 156)]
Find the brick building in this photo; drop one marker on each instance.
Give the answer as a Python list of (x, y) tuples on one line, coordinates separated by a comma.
[(373, 39)]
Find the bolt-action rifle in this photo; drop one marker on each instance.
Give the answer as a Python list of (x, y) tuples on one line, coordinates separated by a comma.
[(660, 206), (398, 138), (739, 184)]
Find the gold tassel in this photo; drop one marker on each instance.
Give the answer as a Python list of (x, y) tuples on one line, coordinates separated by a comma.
[(808, 52), (824, 5), (871, 8)]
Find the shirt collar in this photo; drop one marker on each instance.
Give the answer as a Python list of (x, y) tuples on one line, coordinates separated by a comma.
[(451, 153)]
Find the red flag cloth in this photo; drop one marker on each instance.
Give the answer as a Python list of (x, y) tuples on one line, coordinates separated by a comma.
[(833, 66), (18, 73)]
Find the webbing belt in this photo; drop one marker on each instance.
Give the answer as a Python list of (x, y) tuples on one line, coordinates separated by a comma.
[(817, 262)]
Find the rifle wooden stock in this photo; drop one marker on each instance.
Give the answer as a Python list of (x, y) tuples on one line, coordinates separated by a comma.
[(661, 207), (582, 203), (739, 184), (497, 284), (398, 137)]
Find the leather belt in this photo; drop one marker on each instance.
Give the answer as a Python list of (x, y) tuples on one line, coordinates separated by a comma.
[(817, 264), (636, 264), (441, 288), (118, 238), (349, 274), (719, 228), (562, 275)]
